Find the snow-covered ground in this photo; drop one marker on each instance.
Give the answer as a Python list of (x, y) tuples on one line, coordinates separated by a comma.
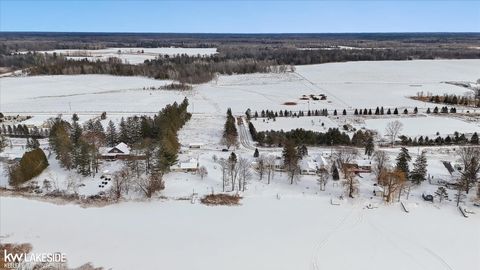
[(426, 126), (132, 55), (315, 123), (347, 86), (265, 233)]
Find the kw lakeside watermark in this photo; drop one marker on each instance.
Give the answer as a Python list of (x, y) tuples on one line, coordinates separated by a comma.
[(18, 260)]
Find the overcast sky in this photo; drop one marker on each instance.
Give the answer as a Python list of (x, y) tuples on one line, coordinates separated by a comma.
[(240, 16)]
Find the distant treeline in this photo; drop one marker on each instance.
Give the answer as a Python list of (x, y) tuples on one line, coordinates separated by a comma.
[(451, 99), (183, 68), (307, 137), (39, 41), (22, 131), (270, 114), (456, 139), (294, 56)]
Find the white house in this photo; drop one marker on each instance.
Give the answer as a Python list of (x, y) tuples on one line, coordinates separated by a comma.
[(308, 167), (186, 166), (321, 162)]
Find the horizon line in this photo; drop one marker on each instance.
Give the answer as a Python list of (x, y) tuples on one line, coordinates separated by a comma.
[(237, 33)]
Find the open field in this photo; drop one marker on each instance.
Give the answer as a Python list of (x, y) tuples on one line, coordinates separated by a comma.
[(347, 86), (291, 233), (131, 55), (429, 126)]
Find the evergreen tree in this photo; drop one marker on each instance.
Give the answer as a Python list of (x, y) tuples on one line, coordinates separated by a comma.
[(168, 151), (230, 133), (61, 143), (290, 160), (3, 143), (76, 132), (256, 154), (402, 161), (302, 151), (32, 143), (83, 158), (248, 114), (111, 136), (369, 145), (123, 133), (474, 139), (419, 171), (335, 174)]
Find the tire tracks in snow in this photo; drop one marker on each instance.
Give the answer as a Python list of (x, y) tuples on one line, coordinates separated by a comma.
[(328, 93), (387, 235), (339, 227)]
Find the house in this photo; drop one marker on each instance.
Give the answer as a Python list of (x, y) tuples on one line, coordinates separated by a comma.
[(321, 162), (365, 165), (308, 167), (278, 164), (354, 168), (186, 166), (120, 151)]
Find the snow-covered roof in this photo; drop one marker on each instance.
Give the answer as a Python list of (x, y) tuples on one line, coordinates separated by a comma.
[(321, 160), (124, 148), (364, 162), (108, 151), (195, 144), (308, 165), (190, 164)]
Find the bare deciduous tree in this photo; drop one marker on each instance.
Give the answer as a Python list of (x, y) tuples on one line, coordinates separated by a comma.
[(224, 167), (323, 179), (270, 165), (245, 173), (460, 187), (469, 157), (202, 171), (351, 184), (345, 155), (381, 161), (392, 182), (121, 182), (150, 184), (260, 168), (392, 130)]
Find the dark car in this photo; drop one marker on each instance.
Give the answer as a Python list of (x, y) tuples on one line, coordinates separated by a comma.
[(428, 198)]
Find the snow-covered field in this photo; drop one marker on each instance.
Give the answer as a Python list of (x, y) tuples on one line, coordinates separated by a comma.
[(263, 233), (132, 55), (429, 126), (315, 123), (347, 86)]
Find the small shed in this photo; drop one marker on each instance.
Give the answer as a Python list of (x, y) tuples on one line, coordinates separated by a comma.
[(195, 145)]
